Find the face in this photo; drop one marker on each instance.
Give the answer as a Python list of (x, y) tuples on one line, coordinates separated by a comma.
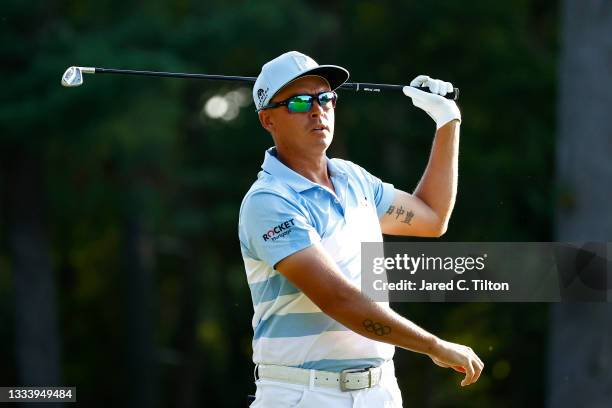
[(300, 133)]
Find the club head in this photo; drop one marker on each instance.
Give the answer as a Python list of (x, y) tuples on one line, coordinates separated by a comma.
[(72, 77)]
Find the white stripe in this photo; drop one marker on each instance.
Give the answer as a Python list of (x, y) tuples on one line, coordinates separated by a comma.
[(348, 345), (282, 351), (329, 345), (257, 271), (283, 305), (294, 303)]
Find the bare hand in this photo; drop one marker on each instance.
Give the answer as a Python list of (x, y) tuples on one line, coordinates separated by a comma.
[(460, 358)]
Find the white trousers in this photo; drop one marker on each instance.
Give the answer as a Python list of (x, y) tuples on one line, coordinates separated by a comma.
[(278, 394)]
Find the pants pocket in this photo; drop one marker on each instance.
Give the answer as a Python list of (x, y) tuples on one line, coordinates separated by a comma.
[(273, 394)]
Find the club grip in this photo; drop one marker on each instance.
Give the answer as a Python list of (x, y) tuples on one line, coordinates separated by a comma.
[(369, 87), (451, 95)]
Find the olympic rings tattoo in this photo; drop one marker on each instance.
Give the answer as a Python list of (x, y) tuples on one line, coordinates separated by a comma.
[(376, 328)]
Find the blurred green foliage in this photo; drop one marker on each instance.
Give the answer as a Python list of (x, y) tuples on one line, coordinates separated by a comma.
[(132, 145)]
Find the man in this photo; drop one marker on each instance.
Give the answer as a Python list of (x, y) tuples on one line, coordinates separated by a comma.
[(318, 341)]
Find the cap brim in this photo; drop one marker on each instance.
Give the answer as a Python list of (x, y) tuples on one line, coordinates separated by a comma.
[(334, 74)]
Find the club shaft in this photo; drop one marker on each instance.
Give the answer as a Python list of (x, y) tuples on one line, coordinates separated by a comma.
[(353, 86), (174, 74)]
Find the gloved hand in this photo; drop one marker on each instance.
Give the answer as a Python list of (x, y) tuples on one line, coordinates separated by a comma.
[(440, 109)]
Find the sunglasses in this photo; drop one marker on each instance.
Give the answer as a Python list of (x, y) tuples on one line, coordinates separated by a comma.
[(303, 103)]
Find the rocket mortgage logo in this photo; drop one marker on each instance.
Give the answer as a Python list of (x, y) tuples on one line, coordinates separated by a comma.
[(279, 231)]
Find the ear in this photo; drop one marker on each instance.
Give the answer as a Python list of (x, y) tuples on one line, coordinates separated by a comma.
[(265, 118)]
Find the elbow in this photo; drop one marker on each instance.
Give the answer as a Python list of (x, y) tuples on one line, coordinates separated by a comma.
[(436, 234), (442, 230), (441, 226), (439, 230)]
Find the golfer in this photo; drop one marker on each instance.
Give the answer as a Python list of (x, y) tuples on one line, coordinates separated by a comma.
[(318, 341)]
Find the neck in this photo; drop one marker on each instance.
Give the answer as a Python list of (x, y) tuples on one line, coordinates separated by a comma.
[(313, 167)]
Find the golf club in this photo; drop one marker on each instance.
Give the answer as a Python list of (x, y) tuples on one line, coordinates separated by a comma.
[(74, 77)]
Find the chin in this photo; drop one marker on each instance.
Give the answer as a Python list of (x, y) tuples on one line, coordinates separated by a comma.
[(327, 140), (328, 136), (323, 140)]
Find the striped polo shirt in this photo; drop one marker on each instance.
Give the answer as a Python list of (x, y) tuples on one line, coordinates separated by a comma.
[(282, 213)]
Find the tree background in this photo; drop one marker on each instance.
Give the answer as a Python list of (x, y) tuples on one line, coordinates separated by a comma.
[(120, 267)]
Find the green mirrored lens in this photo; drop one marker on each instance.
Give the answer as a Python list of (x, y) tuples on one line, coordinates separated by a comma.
[(300, 104)]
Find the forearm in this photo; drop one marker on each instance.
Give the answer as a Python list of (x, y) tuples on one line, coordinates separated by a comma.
[(368, 318), (438, 186)]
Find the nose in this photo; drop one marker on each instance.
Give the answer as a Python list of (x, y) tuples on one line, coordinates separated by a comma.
[(316, 109)]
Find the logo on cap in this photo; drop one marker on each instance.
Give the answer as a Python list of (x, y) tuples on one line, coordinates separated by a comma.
[(261, 95)]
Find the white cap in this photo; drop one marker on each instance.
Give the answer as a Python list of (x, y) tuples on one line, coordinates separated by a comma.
[(286, 68)]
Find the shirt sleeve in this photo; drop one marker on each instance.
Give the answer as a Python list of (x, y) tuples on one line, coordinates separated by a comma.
[(271, 227), (384, 193)]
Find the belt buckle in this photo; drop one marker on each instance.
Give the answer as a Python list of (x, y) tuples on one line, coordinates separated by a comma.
[(348, 371)]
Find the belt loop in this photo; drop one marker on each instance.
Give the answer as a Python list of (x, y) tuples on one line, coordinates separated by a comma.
[(311, 381), (255, 372)]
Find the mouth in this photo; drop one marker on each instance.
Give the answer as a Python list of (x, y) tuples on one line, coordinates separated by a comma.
[(320, 128)]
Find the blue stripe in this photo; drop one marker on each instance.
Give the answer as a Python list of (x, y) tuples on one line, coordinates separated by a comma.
[(296, 325), (339, 365), (385, 198), (271, 288)]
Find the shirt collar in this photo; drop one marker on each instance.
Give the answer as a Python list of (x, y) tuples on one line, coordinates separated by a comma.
[(296, 181)]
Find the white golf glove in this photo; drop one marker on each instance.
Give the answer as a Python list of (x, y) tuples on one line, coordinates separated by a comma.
[(440, 109)]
